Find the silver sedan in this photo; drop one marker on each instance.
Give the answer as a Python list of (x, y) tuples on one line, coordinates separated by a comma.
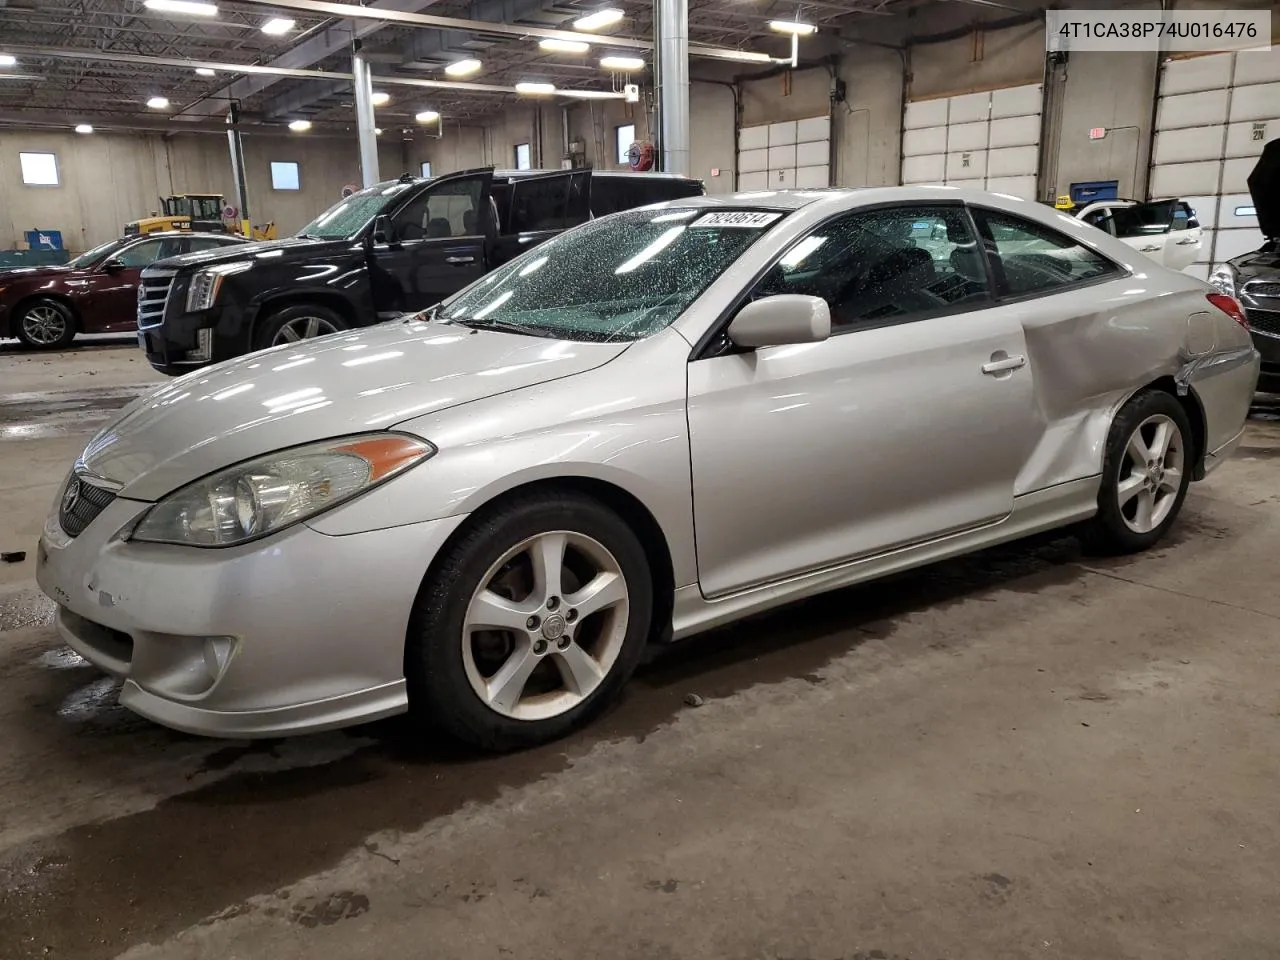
[(655, 424)]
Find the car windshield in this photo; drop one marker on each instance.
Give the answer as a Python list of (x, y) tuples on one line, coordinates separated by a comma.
[(90, 257), (349, 216), (624, 277)]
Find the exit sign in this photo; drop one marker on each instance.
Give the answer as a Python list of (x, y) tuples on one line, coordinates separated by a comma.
[(1097, 133)]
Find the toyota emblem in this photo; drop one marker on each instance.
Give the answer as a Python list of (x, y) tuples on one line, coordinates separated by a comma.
[(71, 494)]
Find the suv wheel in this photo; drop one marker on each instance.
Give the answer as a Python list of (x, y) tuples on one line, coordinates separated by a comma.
[(45, 324), (303, 321), (531, 622)]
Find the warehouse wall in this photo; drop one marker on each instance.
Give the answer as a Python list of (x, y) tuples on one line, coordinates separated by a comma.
[(108, 179)]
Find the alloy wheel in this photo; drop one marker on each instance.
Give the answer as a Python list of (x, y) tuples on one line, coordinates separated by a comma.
[(545, 626), (1151, 473), (44, 324), (303, 328)]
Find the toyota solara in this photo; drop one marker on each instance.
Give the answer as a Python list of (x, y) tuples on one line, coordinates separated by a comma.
[(652, 425)]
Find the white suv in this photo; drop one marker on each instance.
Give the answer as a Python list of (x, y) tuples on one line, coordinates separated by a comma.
[(1167, 231)]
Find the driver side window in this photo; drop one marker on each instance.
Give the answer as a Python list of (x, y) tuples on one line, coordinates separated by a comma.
[(450, 209), (886, 266), (141, 254)]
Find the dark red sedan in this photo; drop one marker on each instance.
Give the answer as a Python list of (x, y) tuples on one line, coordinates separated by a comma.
[(95, 293)]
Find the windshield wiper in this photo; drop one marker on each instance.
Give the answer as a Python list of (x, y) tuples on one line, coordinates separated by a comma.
[(308, 236), (502, 326)]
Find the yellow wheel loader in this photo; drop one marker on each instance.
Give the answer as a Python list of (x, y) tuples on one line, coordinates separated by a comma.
[(198, 212)]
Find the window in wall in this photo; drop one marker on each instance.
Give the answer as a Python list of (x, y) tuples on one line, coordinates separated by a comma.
[(39, 169), (284, 175), (1030, 258), (624, 136), (522, 156), (886, 266), (426, 169)]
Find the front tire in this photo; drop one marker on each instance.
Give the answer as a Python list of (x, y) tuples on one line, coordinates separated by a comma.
[(1145, 474), (530, 623), (302, 321), (45, 324)]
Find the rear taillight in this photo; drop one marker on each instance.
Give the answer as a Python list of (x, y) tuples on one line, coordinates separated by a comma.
[(1228, 306)]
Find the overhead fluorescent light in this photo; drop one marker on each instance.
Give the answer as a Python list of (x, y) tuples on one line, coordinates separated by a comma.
[(593, 94), (794, 27), (622, 63), (462, 68), (564, 46), (277, 26), (748, 56), (300, 126), (427, 116), (598, 20), (380, 99), (535, 88), (158, 103), (83, 128), (205, 72), (191, 7), (8, 60)]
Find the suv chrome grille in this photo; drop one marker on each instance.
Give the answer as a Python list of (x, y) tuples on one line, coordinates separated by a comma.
[(1267, 289), (153, 294), (1263, 321), (81, 503)]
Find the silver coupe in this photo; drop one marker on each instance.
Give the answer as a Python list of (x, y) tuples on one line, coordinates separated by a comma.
[(652, 425)]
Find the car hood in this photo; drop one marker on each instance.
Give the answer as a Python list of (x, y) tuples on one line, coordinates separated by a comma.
[(1262, 264), (235, 252), (346, 383), (1264, 188), (10, 274)]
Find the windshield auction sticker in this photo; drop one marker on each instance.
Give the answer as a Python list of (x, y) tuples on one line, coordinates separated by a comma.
[(751, 219), (1187, 31)]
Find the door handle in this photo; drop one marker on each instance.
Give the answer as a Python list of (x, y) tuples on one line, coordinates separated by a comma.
[(459, 260), (1152, 248), (1003, 366), (1187, 242)]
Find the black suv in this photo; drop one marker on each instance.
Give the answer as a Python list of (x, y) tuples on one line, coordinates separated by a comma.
[(1254, 278), (394, 248)]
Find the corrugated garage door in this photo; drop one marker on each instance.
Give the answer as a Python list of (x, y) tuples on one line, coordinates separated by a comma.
[(988, 140), (780, 156), (1215, 114)]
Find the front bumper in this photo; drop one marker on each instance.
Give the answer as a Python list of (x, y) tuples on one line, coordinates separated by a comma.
[(186, 342), (296, 633)]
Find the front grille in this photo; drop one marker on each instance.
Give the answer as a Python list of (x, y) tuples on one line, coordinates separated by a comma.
[(1269, 289), (81, 503), (1263, 321), (153, 294)]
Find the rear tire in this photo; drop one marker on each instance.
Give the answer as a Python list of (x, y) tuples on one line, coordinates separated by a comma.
[(1145, 473), (510, 647), (301, 321), (45, 324)]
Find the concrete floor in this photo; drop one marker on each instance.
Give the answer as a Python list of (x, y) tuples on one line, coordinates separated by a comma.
[(1027, 753)]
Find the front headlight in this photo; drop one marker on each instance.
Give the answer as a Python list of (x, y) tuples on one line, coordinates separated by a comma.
[(205, 285), (1224, 279), (262, 496)]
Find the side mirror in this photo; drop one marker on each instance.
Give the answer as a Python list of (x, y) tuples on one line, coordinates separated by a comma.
[(783, 319), (113, 265), (383, 232)]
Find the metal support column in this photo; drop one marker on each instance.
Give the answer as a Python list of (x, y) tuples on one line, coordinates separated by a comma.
[(673, 83), (237, 167), (365, 127)]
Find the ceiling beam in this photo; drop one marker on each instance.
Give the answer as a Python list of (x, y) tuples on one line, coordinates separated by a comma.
[(352, 12), (332, 39)]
